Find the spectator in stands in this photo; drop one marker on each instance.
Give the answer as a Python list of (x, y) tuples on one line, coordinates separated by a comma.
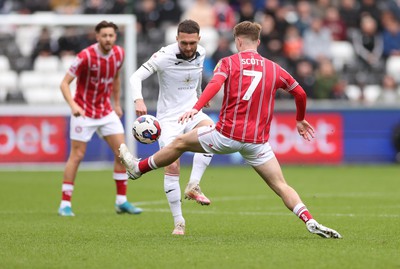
[(391, 37), (305, 75), (118, 7), (66, 6), (319, 8), (305, 17), (170, 12), (95, 7), (368, 46), (279, 14), (339, 91), (390, 91), (336, 25), (32, 6), (45, 45), (246, 11), (223, 49), (70, 42), (370, 7), (270, 39), (148, 17), (348, 11), (202, 12), (292, 48), (326, 79), (317, 41), (225, 17)]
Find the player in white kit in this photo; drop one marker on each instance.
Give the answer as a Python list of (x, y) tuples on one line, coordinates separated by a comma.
[(179, 69)]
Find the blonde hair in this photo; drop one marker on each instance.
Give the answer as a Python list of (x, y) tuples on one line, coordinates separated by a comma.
[(247, 29)]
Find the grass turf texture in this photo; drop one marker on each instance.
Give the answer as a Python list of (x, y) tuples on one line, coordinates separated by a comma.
[(246, 226)]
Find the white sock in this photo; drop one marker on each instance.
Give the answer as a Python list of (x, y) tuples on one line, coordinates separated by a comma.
[(173, 192), (65, 203), (120, 199), (200, 163)]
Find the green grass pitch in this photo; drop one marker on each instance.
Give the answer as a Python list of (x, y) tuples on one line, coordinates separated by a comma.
[(246, 226)]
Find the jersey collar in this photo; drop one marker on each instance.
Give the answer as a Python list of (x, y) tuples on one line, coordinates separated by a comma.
[(179, 56)]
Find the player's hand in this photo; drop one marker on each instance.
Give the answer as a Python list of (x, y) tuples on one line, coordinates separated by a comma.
[(305, 130), (118, 111), (77, 111), (188, 115), (140, 107)]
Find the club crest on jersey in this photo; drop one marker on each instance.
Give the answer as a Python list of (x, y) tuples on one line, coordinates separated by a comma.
[(94, 67)]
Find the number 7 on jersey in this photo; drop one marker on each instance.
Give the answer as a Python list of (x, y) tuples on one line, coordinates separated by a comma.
[(254, 82)]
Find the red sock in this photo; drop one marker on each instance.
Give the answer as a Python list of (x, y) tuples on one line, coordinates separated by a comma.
[(121, 182), (302, 212), (121, 186), (67, 189), (147, 165)]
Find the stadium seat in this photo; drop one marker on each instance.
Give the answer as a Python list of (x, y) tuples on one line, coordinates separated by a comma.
[(66, 62), (353, 92), (43, 88), (38, 95), (8, 83), (342, 54), (46, 64), (25, 37), (393, 67), (371, 93), (28, 79), (4, 63)]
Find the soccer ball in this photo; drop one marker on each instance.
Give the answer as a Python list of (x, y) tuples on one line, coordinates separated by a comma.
[(146, 129)]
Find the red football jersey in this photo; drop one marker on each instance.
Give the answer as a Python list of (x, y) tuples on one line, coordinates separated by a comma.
[(249, 92), (95, 74)]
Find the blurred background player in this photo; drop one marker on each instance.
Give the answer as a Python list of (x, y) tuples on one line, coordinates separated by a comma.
[(179, 69), (97, 71), (250, 84)]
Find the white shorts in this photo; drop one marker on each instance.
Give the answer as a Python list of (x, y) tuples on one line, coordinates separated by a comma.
[(82, 129), (171, 129), (214, 142)]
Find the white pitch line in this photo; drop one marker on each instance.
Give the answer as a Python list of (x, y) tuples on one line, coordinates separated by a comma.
[(266, 213)]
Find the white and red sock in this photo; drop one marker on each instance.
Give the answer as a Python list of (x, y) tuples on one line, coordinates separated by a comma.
[(121, 182), (147, 165), (302, 212), (67, 190)]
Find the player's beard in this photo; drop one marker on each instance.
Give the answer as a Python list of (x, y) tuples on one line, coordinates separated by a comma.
[(106, 48), (185, 55)]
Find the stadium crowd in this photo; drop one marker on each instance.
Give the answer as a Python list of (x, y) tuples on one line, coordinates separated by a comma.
[(299, 35)]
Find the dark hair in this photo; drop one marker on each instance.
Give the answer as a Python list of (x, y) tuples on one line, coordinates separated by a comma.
[(105, 24), (189, 27)]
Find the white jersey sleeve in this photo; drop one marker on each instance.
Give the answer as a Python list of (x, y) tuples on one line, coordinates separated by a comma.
[(146, 70)]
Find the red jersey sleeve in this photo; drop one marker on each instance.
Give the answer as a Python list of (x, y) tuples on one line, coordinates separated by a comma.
[(210, 91), (289, 84)]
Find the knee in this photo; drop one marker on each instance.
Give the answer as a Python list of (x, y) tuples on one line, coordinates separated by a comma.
[(77, 156), (179, 143), (173, 168)]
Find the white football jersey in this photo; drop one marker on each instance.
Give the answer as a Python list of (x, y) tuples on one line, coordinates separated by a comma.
[(179, 80)]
